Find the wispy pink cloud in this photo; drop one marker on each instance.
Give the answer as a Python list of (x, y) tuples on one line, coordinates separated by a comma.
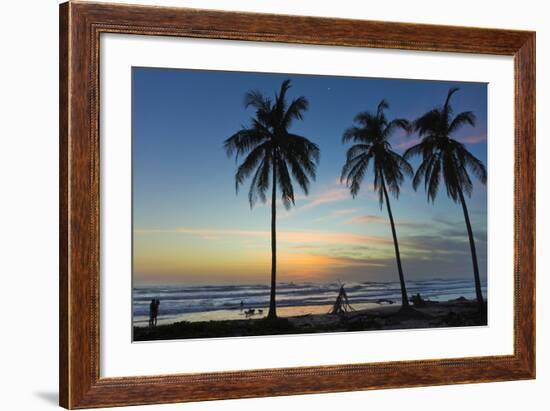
[(338, 213), (473, 139), (206, 233), (366, 219), (345, 211), (329, 237), (405, 143), (374, 219), (332, 195)]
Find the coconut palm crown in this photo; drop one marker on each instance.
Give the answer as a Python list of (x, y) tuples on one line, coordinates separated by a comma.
[(444, 158), (372, 145)]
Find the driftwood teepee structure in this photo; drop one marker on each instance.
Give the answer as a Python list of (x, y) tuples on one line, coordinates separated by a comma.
[(341, 305)]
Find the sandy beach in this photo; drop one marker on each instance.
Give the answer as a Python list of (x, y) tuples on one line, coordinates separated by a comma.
[(454, 313), (236, 314)]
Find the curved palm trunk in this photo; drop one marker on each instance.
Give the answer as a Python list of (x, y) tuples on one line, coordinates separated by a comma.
[(404, 295), (479, 295), (272, 314)]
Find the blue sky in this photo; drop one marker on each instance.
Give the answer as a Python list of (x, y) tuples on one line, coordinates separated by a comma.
[(191, 227)]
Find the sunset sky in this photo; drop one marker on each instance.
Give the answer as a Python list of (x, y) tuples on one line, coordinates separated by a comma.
[(190, 226)]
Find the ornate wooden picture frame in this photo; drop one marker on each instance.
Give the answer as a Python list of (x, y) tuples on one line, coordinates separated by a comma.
[(81, 25)]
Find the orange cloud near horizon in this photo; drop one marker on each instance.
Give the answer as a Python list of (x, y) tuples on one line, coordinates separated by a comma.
[(219, 254), (291, 266)]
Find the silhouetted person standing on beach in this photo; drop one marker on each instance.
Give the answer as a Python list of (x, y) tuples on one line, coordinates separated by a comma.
[(153, 312), (157, 303)]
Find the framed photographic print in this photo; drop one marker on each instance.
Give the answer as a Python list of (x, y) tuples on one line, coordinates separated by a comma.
[(257, 205)]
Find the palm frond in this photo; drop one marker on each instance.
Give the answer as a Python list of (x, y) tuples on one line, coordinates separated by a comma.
[(355, 134), (433, 177), (349, 165), (295, 111), (303, 156), (259, 185), (254, 98), (300, 174), (401, 123), (429, 122), (401, 163), (466, 117), (413, 151), (451, 174), (421, 172), (285, 184), (357, 149), (249, 164), (280, 100), (366, 119), (475, 166), (447, 108), (378, 187), (302, 147), (355, 172), (383, 105), (243, 141)]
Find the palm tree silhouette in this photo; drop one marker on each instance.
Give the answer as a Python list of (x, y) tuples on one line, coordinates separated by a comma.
[(444, 158), (273, 153), (372, 145)]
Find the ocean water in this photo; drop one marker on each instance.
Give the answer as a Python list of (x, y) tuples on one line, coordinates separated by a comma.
[(209, 302)]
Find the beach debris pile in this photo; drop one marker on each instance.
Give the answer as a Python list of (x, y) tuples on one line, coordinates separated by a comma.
[(341, 305)]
